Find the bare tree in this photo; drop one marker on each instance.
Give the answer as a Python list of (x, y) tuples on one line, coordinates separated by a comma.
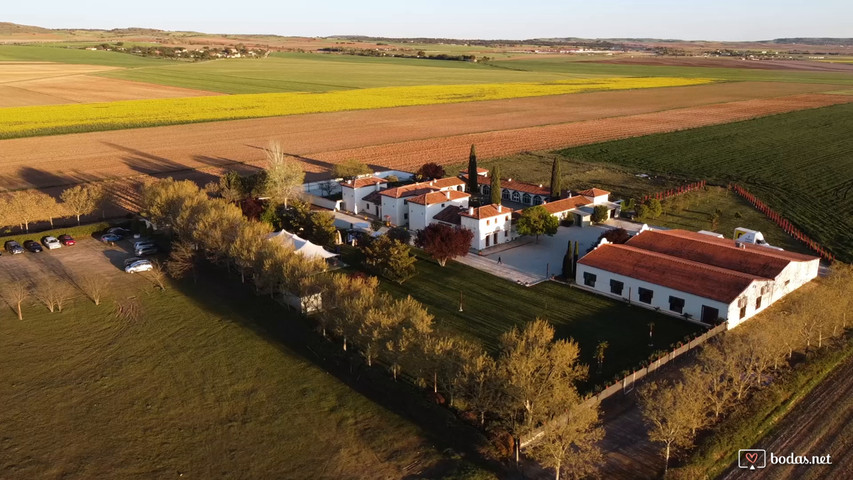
[(285, 174), (157, 276), (182, 259), (17, 292), (93, 286), (54, 293)]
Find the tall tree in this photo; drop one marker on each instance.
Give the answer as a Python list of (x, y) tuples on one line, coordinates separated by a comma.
[(556, 180), (495, 191), (443, 242), (284, 173), (82, 199), (569, 443), (350, 169), (568, 272), (669, 423), (537, 221), (473, 186), (390, 258)]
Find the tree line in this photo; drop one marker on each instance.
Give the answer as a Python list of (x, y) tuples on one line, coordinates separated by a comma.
[(529, 383), (730, 367), (23, 207)]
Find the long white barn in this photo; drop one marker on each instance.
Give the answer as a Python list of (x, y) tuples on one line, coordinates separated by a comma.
[(697, 276)]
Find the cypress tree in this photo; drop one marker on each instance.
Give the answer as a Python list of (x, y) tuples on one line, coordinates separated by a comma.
[(567, 263), (556, 180), (496, 184), (575, 260), (473, 187)]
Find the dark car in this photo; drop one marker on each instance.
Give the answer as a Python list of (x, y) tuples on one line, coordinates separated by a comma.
[(121, 232), (13, 247), (32, 246), (66, 240)]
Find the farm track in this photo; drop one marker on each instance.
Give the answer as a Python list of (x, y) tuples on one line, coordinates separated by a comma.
[(397, 137), (822, 424)]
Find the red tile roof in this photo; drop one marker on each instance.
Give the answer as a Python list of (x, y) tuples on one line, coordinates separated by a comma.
[(438, 197), (487, 211), (479, 170), (564, 204), (515, 185), (719, 252), (447, 182), (410, 190), (363, 182), (594, 192), (450, 215), (687, 276), (373, 197)]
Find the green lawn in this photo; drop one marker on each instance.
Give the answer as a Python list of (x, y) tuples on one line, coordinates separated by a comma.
[(27, 53), (200, 386), (574, 66), (798, 163), (492, 306), (294, 72)]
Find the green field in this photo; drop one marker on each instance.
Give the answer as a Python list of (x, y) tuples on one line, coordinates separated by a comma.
[(199, 387), (294, 72), (798, 163), (19, 53), (575, 66), (492, 306)]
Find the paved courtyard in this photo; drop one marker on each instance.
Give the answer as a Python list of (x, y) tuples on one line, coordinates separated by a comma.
[(538, 261)]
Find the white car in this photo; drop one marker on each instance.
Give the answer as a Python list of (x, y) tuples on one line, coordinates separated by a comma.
[(139, 266), (50, 243)]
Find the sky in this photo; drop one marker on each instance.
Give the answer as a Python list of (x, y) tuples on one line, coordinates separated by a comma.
[(726, 20)]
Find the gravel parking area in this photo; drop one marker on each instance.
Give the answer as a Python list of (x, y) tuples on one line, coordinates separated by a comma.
[(88, 257)]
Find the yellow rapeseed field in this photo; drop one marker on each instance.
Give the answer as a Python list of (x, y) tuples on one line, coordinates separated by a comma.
[(55, 119)]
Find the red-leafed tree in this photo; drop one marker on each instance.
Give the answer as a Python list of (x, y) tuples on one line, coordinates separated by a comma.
[(443, 242), (430, 170)]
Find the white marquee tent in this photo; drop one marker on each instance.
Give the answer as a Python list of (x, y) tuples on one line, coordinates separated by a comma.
[(300, 245)]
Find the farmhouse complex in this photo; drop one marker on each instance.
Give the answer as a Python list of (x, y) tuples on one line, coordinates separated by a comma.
[(697, 276)]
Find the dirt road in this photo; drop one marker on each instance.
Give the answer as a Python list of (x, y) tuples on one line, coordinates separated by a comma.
[(822, 424)]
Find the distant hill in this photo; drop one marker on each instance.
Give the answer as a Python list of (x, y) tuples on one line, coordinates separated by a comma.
[(848, 42), (7, 28)]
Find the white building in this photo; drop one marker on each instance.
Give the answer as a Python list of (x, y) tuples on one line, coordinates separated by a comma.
[(699, 277), (424, 208), (512, 190), (354, 191), (491, 224), (581, 207)]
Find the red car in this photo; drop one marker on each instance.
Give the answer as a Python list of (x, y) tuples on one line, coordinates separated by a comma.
[(66, 240)]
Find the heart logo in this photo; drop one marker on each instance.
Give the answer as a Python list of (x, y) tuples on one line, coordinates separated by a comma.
[(752, 457)]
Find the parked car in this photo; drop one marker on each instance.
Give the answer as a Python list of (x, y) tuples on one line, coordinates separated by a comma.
[(149, 249), (143, 243), (67, 240), (50, 243), (128, 261), (110, 237), (13, 247), (121, 232), (32, 246), (139, 266)]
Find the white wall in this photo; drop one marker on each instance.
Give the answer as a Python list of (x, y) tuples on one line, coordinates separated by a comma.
[(396, 209), (692, 303), (422, 215), (499, 224)]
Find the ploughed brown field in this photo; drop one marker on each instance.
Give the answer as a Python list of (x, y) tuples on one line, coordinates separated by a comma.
[(43, 83), (400, 138), (721, 62)]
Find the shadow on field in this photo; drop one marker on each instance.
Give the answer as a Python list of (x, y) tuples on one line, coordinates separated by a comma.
[(157, 166), (215, 291)]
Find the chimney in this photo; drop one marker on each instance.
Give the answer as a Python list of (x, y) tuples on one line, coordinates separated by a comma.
[(500, 208), (471, 211), (447, 193), (349, 182), (540, 185), (508, 179), (431, 182)]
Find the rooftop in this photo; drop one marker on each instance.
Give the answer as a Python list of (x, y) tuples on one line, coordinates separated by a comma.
[(594, 192), (363, 182), (410, 190), (687, 276), (450, 215), (564, 204), (719, 252), (486, 211), (511, 184), (433, 198)]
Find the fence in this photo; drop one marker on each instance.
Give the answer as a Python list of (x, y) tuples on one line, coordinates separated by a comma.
[(627, 383), (690, 187), (784, 223)]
